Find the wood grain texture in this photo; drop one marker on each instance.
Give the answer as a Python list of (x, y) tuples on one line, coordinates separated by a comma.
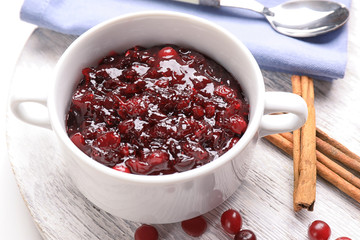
[(264, 200)]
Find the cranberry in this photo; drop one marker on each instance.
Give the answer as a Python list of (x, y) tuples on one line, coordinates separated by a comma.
[(79, 140), (182, 104), (224, 91), (157, 157), (122, 168), (82, 98), (167, 52), (194, 227), (343, 238), (319, 230), (231, 221), (109, 140), (156, 111), (237, 124), (146, 232), (136, 106), (210, 110), (198, 112), (125, 127), (87, 73), (137, 166), (245, 235)]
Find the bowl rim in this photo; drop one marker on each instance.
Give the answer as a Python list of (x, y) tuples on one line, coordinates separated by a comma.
[(250, 133)]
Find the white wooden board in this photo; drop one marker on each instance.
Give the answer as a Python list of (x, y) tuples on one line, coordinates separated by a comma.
[(264, 200)]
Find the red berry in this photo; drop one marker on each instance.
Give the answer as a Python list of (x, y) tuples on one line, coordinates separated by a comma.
[(343, 238), (237, 124), (138, 167), (136, 106), (210, 110), (231, 221), (194, 227), (121, 168), (198, 112), (131, 89), (245, 235), (146, 232), (82, 98), (157, 157), (109, 140), (125, 127), (224, 91), (124, 149), (167, 52), (195, 150), (182, 104), (87, 73), (319, 230), (78, 140), (235, 107)]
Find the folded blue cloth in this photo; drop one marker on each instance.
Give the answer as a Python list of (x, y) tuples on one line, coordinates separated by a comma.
[(323, 57)]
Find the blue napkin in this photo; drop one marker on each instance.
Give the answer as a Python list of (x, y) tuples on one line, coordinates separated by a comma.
[(323, 57)]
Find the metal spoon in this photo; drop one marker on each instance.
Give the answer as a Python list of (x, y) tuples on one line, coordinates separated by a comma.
[(299, 18)]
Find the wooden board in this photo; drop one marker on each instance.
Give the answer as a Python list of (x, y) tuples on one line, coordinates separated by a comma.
[(264, 200)]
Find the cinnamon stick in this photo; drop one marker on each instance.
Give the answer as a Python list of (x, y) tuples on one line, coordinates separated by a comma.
[(283, 141), (296, 87), (338, 182), (338, 151), (305, 190), (339, 170), (325, 159)]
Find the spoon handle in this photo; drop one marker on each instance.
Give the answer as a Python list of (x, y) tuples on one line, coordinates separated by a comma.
[(212, 3), (246, 4)]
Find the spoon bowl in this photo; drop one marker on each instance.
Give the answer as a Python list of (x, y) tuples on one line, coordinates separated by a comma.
[(307, 18), (297, 18)]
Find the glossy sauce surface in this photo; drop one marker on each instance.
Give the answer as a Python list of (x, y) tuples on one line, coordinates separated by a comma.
[(160, 110)]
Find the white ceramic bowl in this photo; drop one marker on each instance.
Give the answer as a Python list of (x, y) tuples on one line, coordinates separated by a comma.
[(169, 198)]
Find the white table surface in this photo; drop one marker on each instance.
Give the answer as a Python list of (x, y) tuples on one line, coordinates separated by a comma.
[(15, 220)]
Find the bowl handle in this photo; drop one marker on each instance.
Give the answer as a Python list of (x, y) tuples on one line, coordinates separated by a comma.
[(292, 113), (26, 114)]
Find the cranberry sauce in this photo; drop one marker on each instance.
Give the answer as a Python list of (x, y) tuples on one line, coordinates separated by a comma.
[(156, 111)]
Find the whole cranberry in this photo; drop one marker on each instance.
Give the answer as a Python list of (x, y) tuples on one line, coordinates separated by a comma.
[(343, 238), (194, 227), (231, 221), (146, 232), (79, 140), (319, 230), (122, 168), (224, 91), (237, 124), (245, 235), (167, 52)]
